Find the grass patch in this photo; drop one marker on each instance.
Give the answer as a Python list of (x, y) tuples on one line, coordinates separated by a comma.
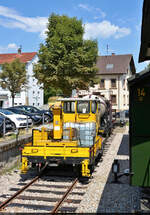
[(12, 136), (11, 166)]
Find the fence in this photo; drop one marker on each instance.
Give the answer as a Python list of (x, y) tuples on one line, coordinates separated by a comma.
[(5, 129)]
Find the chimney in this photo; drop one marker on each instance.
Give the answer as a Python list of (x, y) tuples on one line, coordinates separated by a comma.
[(19, 50), (113, 53)]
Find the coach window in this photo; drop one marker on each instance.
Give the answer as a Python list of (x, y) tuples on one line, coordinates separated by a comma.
[(69, 107), (83, 107), (94, 105)]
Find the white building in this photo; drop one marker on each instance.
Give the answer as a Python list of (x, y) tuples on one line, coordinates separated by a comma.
[(33, 94), (113, 72)]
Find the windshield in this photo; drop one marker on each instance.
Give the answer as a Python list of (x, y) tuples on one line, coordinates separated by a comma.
[(69, 107), (6, 112), (31, 109), (83, 107), (94, 106)]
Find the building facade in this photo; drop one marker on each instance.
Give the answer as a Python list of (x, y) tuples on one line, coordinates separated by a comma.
[(113, 72), (33, 94)]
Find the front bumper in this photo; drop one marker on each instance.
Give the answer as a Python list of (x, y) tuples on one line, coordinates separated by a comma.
[(58, 160)]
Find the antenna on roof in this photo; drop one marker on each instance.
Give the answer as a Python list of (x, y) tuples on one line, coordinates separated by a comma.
[(19, 49), (107, 48)]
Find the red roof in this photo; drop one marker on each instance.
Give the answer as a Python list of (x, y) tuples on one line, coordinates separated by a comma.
[(23, 57)]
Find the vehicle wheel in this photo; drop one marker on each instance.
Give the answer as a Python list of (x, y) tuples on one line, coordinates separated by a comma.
[(92, 167), (47, 119)]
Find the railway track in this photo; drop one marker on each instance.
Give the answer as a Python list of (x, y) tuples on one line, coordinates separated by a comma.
[(55, 196), (58, 202), (9, 200)]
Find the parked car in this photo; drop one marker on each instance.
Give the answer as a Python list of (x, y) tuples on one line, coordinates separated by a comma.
[(9, 125), (123, 114), (36, 118), (126, 113), (19, 119), (48, 115)]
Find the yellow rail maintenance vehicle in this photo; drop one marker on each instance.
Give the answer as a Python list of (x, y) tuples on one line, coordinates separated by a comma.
[(74, 138)]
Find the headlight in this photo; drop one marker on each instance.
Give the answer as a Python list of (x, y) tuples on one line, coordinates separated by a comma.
[(20, 119)]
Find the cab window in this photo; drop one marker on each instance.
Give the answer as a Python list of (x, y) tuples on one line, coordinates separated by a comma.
[(83, 107), (69, 107), (94, 106)]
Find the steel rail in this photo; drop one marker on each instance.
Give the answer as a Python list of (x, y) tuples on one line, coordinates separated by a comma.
[(5, 203), (58, 205)]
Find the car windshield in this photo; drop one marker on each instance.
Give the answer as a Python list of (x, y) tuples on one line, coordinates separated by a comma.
[(6, 112), (22, 111), (37, 109), (31, 109), (18, 111)]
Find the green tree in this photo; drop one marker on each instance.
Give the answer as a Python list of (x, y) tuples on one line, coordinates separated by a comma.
[(66, 60), (50, 91), (13, 77)]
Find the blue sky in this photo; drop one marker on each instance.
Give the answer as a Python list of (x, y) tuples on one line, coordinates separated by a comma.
[(115, 23)]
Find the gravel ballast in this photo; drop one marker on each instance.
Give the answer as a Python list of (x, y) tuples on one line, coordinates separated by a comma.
[(100, 195)]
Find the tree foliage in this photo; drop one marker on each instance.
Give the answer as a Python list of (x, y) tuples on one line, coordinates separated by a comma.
[(13, 77), (49, 92), (66, 60)]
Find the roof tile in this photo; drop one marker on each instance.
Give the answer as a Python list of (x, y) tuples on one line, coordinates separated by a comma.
[(114, 64), (24, 57)]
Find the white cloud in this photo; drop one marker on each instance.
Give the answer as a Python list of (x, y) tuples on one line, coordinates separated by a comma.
[(85, 7), (94, 10), (9, 48), (102, 13), (104, 30), (12, 19), (12, 46)]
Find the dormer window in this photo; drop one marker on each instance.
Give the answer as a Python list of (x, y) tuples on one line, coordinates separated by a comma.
[(109, 66)]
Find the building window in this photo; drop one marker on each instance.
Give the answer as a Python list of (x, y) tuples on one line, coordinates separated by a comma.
[(113, 83), (123, 84), (113, 99), (18, 94), (124, 99), (102, 83), (33, 104), (38, 104), (33, 92)]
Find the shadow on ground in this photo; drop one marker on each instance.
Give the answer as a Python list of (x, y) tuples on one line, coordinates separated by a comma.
[(120, 197)]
